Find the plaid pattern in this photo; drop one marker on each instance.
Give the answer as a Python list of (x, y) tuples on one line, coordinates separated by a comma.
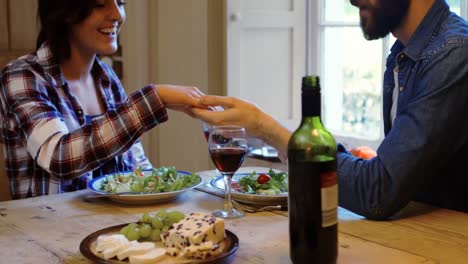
[(47, 141)]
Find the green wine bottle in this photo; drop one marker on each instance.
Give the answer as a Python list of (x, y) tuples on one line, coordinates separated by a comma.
[(313, 189)]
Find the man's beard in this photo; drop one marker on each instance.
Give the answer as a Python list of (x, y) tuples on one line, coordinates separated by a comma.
[(384, 18)]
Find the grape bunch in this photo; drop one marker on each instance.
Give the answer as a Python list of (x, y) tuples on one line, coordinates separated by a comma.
[(150, 227)]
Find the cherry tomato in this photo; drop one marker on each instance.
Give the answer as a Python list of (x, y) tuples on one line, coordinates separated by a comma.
[(263, 178), (138, 172)]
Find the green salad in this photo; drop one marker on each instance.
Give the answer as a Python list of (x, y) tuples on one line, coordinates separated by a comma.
[(164, 179), (271, 183)]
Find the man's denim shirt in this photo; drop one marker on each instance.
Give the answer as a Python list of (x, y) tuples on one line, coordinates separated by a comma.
[(424, 155)]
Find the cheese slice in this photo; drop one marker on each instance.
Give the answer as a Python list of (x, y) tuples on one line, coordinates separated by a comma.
[(135, 248), (107, 241), (114, 249), (152, 256)]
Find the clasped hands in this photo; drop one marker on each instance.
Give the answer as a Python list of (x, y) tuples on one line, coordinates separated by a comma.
[(214, 110)]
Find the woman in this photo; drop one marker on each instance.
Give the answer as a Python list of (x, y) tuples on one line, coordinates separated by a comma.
[(65, 113)]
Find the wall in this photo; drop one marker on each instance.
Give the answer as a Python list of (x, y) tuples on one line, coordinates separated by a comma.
[(18, 31), (175, 42)]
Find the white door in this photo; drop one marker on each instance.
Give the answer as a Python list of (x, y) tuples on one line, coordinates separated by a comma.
[(266, 54)]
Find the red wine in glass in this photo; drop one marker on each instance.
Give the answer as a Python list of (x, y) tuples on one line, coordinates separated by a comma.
[(227, 146), (207, 134), (206, 131), (228, 160)]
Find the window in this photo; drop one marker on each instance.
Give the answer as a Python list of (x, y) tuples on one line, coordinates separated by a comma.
[(351, 69)]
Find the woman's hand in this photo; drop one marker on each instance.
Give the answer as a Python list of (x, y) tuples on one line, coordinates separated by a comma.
[(180, 98)]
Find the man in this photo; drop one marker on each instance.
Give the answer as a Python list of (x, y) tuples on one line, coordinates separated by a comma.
[(425, 93)]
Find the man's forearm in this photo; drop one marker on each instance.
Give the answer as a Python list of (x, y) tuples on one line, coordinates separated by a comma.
[(275, 135)]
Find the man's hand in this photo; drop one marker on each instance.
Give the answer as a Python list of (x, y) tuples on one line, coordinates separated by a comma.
[(242, 113), (363, 152), (234, 111)]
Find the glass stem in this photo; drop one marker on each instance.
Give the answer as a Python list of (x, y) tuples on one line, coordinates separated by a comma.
[(227, 194)]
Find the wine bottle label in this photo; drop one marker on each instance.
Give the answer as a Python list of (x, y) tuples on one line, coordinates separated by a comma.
[(329, 192)]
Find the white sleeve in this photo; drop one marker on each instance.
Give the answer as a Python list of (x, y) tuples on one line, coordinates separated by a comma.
[(43, 140)]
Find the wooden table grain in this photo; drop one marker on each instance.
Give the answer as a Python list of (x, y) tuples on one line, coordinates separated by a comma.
[(49, 229)]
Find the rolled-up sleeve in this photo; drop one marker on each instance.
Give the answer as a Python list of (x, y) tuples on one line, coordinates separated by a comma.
[(92, 145)]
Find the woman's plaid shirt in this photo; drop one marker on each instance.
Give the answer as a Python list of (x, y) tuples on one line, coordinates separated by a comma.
[(46, 140)]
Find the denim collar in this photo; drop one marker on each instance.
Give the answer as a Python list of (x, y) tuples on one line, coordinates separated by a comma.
[(425, 33)]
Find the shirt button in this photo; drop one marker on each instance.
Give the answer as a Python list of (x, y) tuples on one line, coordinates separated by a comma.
[(401, 57), (402, 88)]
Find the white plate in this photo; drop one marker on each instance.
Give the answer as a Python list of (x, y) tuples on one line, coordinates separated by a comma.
[(146, 198), (260, 199)]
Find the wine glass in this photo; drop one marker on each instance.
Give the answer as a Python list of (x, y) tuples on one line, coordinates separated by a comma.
[(227, 146), (206, 130)]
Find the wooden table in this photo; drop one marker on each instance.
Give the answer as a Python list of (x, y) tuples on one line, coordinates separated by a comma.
[(49, 229)]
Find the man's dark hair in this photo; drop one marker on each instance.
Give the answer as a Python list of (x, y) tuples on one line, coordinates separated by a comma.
[(56, 18)]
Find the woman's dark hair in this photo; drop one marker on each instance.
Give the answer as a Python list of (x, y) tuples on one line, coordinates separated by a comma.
[(56, 18)]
